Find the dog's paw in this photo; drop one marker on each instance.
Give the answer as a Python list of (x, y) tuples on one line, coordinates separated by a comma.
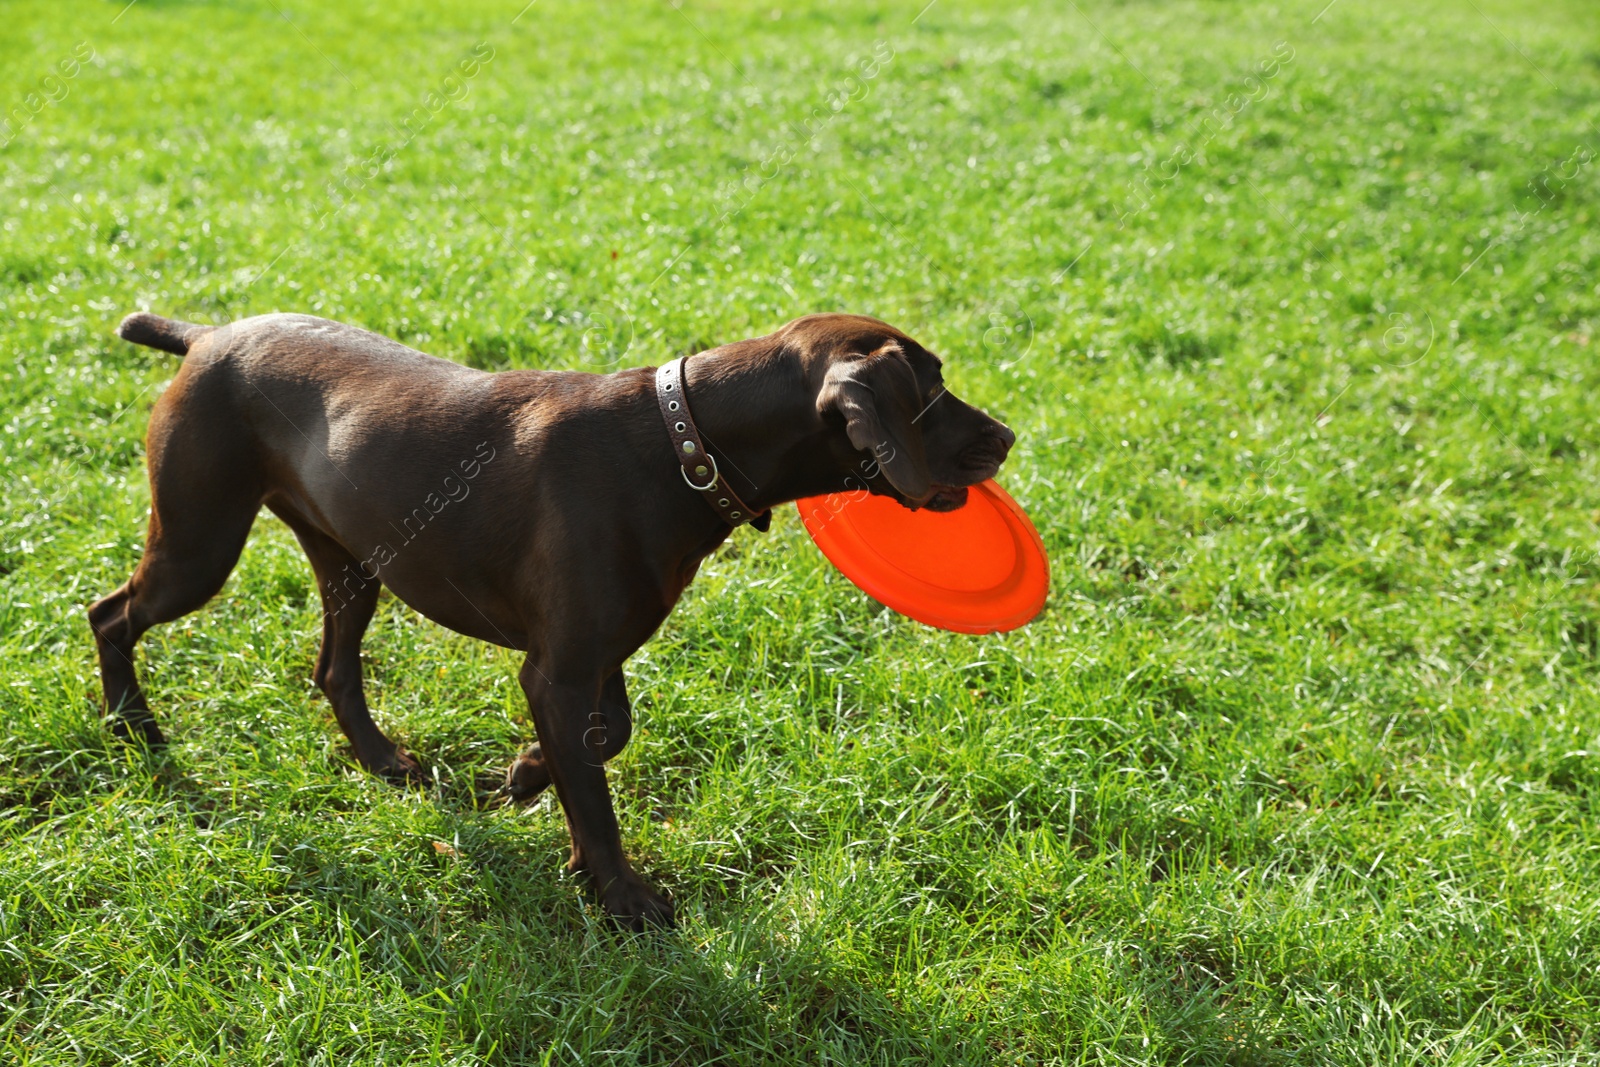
[(526, 778), (637, 907), (138, 728), (402, 768)]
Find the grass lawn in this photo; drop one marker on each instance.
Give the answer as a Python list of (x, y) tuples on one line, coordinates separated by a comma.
[(1293, 313)]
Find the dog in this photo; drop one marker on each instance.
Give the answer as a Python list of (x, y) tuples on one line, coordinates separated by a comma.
[(558, 513)]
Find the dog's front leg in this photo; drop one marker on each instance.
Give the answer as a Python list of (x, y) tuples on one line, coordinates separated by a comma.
[(609, 732), (574, 756)]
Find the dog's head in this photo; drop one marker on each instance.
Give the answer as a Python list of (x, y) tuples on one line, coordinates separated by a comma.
[(892, 421)]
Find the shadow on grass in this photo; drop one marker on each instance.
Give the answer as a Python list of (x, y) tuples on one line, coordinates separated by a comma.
[(459, 916)]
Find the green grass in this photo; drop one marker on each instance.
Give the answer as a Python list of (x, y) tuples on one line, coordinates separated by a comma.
[(1300, 764)]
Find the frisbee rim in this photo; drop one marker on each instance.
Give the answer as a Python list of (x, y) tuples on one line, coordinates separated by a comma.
[(913, 597)]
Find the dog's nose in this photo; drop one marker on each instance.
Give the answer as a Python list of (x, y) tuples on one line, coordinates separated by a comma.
[(1007, 438)]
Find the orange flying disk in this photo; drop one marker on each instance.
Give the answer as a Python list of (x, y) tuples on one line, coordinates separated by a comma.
[(979, 569)]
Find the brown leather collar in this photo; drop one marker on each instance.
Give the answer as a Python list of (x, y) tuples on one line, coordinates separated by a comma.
[(699, 466)]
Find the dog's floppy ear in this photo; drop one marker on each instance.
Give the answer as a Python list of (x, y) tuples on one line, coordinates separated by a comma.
[(878, 397)]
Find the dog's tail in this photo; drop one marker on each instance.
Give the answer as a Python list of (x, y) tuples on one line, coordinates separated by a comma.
[(169, 335)]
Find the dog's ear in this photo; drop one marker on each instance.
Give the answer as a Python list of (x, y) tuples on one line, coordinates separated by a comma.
[(877, 395)]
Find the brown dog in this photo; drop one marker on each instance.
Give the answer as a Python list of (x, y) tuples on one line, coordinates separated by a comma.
[(558, 513)]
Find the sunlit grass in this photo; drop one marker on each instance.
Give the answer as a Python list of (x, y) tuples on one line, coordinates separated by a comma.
[(1299, 765)]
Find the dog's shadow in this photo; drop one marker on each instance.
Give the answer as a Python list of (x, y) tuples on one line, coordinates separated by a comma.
[(523, 947), (735, 974), (733, 977), (470, 899)]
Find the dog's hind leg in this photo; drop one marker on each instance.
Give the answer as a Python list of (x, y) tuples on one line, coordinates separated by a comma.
[(203, 500), (349, 598), (610, 727)]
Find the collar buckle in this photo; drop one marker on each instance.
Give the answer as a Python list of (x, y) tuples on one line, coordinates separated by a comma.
[(694, 459), (715, 474)]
